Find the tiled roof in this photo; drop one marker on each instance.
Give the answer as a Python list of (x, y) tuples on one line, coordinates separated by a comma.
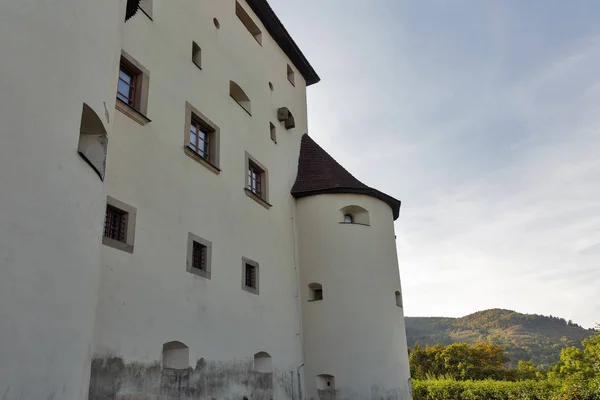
[(319, 173)]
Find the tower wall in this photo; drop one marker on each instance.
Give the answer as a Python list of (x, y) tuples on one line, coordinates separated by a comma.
[(56, 56), (356, 333)]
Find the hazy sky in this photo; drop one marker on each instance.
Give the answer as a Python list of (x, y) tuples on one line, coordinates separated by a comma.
[(483, 117)]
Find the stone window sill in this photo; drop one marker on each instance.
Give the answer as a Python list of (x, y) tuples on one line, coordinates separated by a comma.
[(115, 244), (210, 166), (353, 223), (131, 112), (256, 198)]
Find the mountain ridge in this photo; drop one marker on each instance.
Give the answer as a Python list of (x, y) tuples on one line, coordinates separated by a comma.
[(528, 337)]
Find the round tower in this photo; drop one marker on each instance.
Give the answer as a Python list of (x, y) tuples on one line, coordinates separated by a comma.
[(353, 323), (57, 93)]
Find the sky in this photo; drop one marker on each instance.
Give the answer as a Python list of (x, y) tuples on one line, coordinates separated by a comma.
[(483, 118)]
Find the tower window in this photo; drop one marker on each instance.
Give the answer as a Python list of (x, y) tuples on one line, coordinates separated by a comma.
[(201, 139), (115, 224), (132, 89), (348, 219), (248, 22), (316, 292), (250, 275), (273, 132), (398, 298), (199, 252), (240, 97)]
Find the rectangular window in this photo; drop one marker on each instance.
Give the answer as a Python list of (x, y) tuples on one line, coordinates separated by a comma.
[(126, 88), (199, 256), (201, 139), (318, 294), (199, 252), (132, 89), (119, 225), (250, 275), (273, 132), (115, 224), (255, 179)]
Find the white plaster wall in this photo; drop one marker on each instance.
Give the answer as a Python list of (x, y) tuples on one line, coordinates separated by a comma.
[(356, 333), (56, 55), (147, 298)]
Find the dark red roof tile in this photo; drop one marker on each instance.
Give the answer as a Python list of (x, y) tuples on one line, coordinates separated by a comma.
[(319, 173)]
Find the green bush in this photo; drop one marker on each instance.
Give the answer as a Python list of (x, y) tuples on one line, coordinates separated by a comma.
[(448, 389)]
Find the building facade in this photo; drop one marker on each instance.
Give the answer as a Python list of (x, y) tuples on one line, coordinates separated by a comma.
[(183, 237)]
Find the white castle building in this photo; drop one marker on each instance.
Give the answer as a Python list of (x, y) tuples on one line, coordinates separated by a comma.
[(168, 230)]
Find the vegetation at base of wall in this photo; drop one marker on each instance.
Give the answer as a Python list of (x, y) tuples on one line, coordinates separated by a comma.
[(462, 371), (524, 336)]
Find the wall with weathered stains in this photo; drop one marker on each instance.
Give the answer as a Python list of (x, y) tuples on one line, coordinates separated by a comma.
[(356, 333), (148, 298), (56, 56)]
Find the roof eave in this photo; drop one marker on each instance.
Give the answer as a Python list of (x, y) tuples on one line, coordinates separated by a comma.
[(276, 29)]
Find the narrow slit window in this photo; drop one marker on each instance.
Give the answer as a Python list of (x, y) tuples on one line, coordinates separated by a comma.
[(197, 55), (290, 75), (248, 22), (273, 132)]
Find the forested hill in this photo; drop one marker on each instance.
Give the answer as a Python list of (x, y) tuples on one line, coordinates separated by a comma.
[(525, 336)]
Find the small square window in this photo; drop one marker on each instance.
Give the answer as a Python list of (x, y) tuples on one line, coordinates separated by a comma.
[(250, 276), (202, 139), (199, 256), (132, 89), (119, 225)]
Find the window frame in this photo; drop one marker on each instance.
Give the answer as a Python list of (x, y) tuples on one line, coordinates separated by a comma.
[(138, 108), (248, 262), (127, 244), (263, 197), (204, 273), (212, 130)]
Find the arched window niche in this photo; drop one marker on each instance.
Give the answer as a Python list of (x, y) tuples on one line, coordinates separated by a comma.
[(354, 215), (175, 355), (240, 97), (325, 382), (263, 372), (93, 141)]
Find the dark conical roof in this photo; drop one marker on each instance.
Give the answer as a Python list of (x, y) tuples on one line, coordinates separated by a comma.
[(319, 173)]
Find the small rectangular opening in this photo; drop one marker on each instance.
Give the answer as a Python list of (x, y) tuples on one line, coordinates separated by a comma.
[(197, 55), (273, 133), (248, 22), (199, 256), (290, 75), (250, 276), (115, 224)]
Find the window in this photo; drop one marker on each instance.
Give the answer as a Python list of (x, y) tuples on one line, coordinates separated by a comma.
[(146, 7), (248, 22), (199, 253), (316, 292), (197, 55), (271, 86), (93, 140), (273, 132), (325, 382), (176, 355), (119, 225), (240, 97), (257, 186), (127, 84), (398, 298), (354, 215), (201, 139), (263, 373), (217, 24), (250, 276), (263, 363), (290, 75), (132, 89), (255, 179)]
